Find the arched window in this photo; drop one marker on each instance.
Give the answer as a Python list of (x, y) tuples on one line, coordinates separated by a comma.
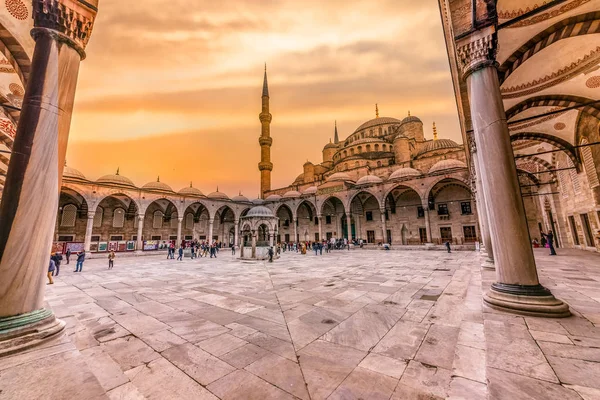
[(69, 215), (157, 220), (189, 221), (118, 218), (380, 131), (345, 153), (589, 165), (368, 148), (359, 149), (174, 219), (98, 217), (376, 147), (362, 135), (379, 163), (384, 147), (371, 133), (352, 152)]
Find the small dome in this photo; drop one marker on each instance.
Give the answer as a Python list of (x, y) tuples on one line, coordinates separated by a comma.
[(292, 194), (369, 179), (258, 201), (438, 145), (310, 190), (308, 163), (447, 164), (260, 211), (218, 195), (339, 177), (404, 172), (273, 197), (330, 146), (72, 173), (116, 179), (377, 122), (191, 191), (240, 197), (411, 118), (157, 186)]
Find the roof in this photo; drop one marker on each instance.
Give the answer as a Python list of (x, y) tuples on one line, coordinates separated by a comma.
[(72, 173), (447, 164), (273, 197), (369, 179), (116, 179), (339, 177), (218, 195), (438, 145), (376, 122), (310, 190), (404, 172), (260, 211), (190, 191), (158, 186), (292, 194)]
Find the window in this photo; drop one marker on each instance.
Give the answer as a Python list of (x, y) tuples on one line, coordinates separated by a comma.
[(384, 147), (359, 149), (352, 152), (328, 219), (174, 220), (316, 220), (187, 237), (587, 230), (172, 237), (286, 223), (446, 234), (368, 148), (362, 135), (380, 131), (157, 237), (442, 209), (470, 234), (98, 217), (118, 218), (157, 221), (387, 215), (189, 221), (420, 212), (66, 238), (96, 238), (116, 238), (574, 230), (376, 147), (134, 237), (465, 208), (371, 133), (423, 235), (69, 215), (369, 215), (589, 165), (317, 237)]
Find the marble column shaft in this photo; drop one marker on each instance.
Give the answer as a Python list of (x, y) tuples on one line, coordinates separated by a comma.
[(87, 243), (140, 230), (427, 222), (295, 222), (179, 223), (30, 197), (383, 225), (482, 210), (210, 231), (320, 227), (237, 233), (349, 225)]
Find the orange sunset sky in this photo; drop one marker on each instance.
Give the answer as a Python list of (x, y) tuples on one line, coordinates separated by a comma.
[(172, 87)]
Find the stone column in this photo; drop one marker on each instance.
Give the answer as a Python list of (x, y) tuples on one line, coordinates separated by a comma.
[(319, 216), (140, 233), (482, 213), (427, 221), (179, 223), (517, 288), (349, 225), (210, 230), (383, 225), (253, 244), (29, 204), (87, 243), (295, 222), (236, 233)]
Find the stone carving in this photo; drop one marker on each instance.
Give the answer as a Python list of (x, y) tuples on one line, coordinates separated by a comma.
[(471, 142), (478, 50)]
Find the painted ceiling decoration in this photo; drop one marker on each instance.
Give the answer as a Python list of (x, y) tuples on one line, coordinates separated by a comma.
[(507, 15)]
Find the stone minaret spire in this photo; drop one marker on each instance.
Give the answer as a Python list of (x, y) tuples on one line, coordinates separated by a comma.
[(336, 138), (265, 166)]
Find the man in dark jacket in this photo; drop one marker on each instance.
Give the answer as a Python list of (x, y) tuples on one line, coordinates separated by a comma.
[(550, 238), (57, 257), (68, 255), (80, 260)]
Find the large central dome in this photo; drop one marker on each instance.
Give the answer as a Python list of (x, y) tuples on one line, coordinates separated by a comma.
[(377, 122)]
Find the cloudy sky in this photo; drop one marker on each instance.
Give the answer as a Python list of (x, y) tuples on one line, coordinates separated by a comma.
[(173, 90)]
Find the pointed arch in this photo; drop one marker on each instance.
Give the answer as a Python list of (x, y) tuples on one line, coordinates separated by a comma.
[(554, 100), (550, 139)]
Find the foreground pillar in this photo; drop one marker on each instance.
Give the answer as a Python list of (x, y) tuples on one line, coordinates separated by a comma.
[(87, 243), (30, 198), (140, 228), (517, 288), (482, 212)]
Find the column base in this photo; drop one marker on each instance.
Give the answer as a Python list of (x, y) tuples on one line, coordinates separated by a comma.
[(21, 332), (536, 301), (488, 263)]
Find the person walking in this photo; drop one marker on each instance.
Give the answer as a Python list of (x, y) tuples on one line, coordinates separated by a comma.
[(448, 246), (51, 269), (111, 259), (193, 250), (180, 257), (68, 255), (271, 254), (57, 257), (232, 249), (550, 240), (80, 260)]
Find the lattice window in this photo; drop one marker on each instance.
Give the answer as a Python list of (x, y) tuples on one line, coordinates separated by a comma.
[(98, 217), (574, 177), (118, 218), (69, 215), (189, 221), (158, 220), (174, 220), (562, 179), (589, 165)]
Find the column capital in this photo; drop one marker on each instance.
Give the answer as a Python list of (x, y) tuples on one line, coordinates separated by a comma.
[(91, 214), (180, 219), (477, 50), (69, 21)]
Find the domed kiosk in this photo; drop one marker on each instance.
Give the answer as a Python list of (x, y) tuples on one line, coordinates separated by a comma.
[(259, 230)]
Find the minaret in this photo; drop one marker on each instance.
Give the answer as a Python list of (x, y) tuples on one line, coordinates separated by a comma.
[(336, 138), (376, 111), (265, 166), (435, 137)]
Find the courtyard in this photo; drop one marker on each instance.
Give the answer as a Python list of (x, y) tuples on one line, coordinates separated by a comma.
[(345, 325)]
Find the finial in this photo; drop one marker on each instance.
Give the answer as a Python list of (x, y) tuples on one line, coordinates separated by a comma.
[(65, 162), (158, 179), (265, 67), (435, 137), (376, 111), (240, 192), (217, 189), (190, 183), (118, 168), (409, 113)]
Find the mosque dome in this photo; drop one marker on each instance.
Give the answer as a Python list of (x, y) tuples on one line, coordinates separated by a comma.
[(411, 118), (404, 172), (447, 164), (258, 201), (339, 177), (191, 191), (292, 194), (218, 195), (72, 173), (330, 146), (377, 122), (369, 179), (157, 186), (310, 190), (439, 145), (116, 179), (260, 211), (240, 197), (273, 197)]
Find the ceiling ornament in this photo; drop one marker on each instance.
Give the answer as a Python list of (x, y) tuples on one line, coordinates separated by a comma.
[(537, 121), (559, 126), (593, 82), (560, 76), (540, 17), (17, 9), (16, 89)]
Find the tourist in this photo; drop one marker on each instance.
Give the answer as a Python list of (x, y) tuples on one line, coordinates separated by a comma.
[(57, 260), (448, 246), (543, 240), (80, 260), (180, 257), (51, 269), (550, 239), (232, 249), (68, 255), (213, 250), (193, 250), (271, 254), (111, 259)]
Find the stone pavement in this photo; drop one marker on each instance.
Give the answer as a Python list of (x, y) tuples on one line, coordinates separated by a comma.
[(346, 325)]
